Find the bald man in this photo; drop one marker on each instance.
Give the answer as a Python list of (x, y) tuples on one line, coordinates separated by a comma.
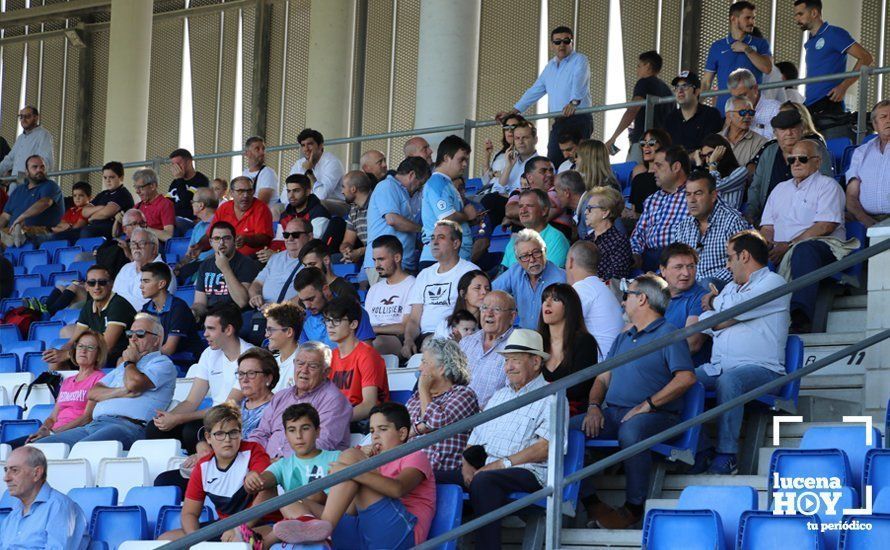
[(419, 147), (373, 164)]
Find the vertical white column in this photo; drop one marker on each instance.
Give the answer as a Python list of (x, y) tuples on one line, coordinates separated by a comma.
[(877, 358), (129, 78), (447, 63)]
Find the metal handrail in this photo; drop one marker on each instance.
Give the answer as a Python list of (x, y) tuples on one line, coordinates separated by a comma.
[(468, 125), (558, 387)]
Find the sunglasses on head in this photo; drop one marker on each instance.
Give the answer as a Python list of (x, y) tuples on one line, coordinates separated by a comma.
[(803, 159), (97, 282), (564, 42), (139, 333), (292, 234)]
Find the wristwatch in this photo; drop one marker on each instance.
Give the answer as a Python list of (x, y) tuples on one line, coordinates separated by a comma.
[(507, 462), (651, 404)]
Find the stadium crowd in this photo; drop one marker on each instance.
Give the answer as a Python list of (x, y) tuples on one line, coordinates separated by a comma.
[(726, 202)]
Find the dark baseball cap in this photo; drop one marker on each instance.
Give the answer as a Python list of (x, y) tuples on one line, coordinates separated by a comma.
[(786, 119), (689, 76)]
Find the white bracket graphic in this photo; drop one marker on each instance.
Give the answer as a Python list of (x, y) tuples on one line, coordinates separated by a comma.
[(778, 421), (867, 420), (866, 500)]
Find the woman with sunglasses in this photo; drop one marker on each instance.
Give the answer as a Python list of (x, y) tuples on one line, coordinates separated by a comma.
[(72, 408), (716, 156), (603, 208), (642, 182)]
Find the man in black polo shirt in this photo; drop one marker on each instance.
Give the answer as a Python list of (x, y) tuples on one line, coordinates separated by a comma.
[(104, 312), (114, 199), (225, 276), (693, 120), (187, 179)]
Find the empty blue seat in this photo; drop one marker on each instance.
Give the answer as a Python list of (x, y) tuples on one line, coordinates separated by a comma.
[(10, 412), (765, 531), (45, 270), (837, 147), (64, 277), (67, 316), (9, 362), (9, 334), (400, 396), (498, 244), (10, 303), (116, 524), (34, 363), (342, 270), (700, 529), (850, 439), (14, 429), (40, 412), (881, 502), (89, 244), (186, 294), (876, 471), (88, 498), (16, 251), (728, 502), (50, 247), (19, 270), (151, 499), (38, 293), (67, 255), (812, 462), (622, 171), (847, 159), (23, 282), (873, 539), (170, 517), (80, 267), (572, 462), (449, 512), (21, 348), (33, 258), (58, 343), (178, 246), (45, 331)]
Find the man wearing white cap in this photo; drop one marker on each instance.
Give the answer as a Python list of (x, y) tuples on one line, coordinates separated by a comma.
[(509, 453)]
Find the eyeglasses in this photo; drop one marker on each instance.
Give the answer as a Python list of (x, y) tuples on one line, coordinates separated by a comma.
[(86, 347), (231, 434), (628, 293), (270, 330), (310, 366), (536, 254), (564, 42), (683, 86), (140, 333), (97, 282), (293, 234), (225, 238), (242, 191), (495, 309), (138, 244), (249, 375), (508, 127), (705, 155), (803, 159), (331, 322), (648, 142), (590, 207)]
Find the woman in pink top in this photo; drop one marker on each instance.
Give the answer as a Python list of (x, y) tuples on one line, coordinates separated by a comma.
[(73, 409)]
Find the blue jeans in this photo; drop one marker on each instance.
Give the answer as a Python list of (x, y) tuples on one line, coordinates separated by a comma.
[(104, 428), (730, 384), (642, 426)]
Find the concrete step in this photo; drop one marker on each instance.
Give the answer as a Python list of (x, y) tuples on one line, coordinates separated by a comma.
[(843, 320), (601, 538), (842, 380), (858, 301)]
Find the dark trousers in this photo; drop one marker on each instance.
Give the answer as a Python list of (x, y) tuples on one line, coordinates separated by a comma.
[(172, 478), (488, 491), (186, 433), (581, 126), (806, 257)]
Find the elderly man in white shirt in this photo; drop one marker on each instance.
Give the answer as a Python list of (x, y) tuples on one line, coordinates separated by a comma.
[(736, 366), (868, 178), (144, 248), (802, 213), (35, 140), (323, 168)]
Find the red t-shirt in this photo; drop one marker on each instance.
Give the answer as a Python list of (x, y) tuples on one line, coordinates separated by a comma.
[(256, 221), (73, 215), (361, 368), (422, 500), (159, 212)]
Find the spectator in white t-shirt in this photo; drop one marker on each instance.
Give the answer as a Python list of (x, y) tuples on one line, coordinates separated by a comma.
[(323, 168), (213, 376), (602, 312), (265, 180), (387, 300), (435, 290), (284, 323)]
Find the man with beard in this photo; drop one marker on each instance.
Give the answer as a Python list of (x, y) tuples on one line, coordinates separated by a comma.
[(303, 204), (34, 208), (387, 300)]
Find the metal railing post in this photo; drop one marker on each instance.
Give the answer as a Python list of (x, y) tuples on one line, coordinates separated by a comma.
[(862, 118), (651, 102), (469, 124), (555, 469)]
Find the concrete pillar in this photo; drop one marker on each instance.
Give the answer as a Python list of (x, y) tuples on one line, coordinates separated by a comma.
[(330, 70), (129, 77), (877, 359), (447, 64)]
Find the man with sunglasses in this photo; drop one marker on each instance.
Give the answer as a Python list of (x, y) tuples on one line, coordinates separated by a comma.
[(226, 277), (34, 140), (104, 312), (745, 141), (273, 284), (692, 120), (160, 213), (804, 218), (128, 397), (743, 84), (249, 216), (566, 81), (212, 376)]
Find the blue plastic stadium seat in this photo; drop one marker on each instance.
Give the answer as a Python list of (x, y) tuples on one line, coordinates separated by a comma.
[(852, 273), (837, 146), (64, 277), (9, 334), (23, 282), (701, 530), (342, 270), (58, 343), (169, 518), (206, 403), (498, 244), (14, 429), (80, 267), (400, 396), (850, 439), (178, 246), (876, 471), (34, 363), (88, 498), (11, 303), (473, 185), (38, 293), (67, 255), (151, 499), (881, 502), (45, 331), (16, 251), (21, 348), (89, 244), (116, 524), (728, 502), (847, 159), (622, 172), (812, 462), (186, 294), (785, 399), (9, 362), (45, 270), (33, 258), (572, 462), (874, 539), (50, 247), (67, 316), (449, 512), (19, 270), (40, 412), (10, 412), (765, 531)]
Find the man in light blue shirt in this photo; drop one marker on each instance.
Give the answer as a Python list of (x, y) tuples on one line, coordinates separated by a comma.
[(566, 81), (736, 365), (128, 397), (389, 212), (527, 279), (441, 201), (41, 517)]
